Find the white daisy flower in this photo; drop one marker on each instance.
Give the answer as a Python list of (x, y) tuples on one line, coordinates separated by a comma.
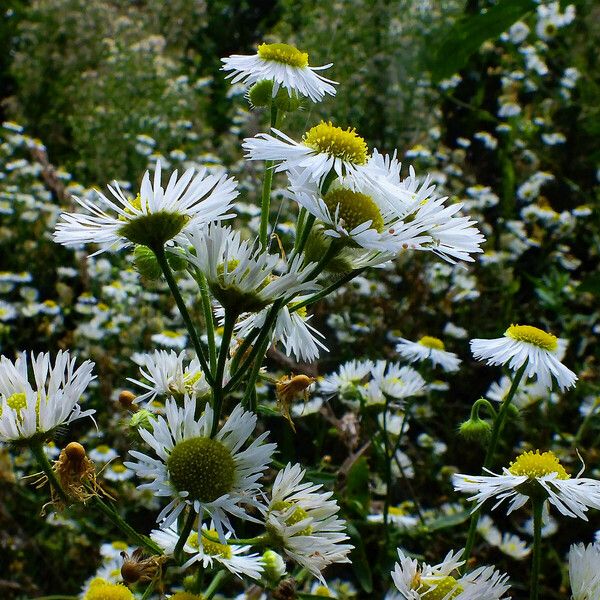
[(102, 454), (442, 581), (324, 148), (347, 377), (584, 571), (522, 344), (170, 339), (117, 471), (207, 551), (428, 348), (243, 277), (284, 65), (165, 374), (304, 522), (204, 473), (398, 516), (154, 216), (534, 472), (527, 393), (392, 380), (512, 545), (111, 550), (30, 410)]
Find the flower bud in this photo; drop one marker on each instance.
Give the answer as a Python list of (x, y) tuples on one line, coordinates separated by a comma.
[(142, 419), (259, 95), (274, 567), (286, 103), (145, 262), (476, 430)]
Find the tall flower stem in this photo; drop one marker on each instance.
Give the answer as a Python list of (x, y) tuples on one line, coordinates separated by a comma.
[(37, 450), (388, 474), (185, 533), (185, 315), (223, 351), (208, 317), (214, 585), (489, 457), (265, 205), (536, 560)]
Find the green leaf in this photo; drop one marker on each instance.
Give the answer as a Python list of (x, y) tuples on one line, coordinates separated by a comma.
[(357, 483), (358, 557), (466, 36), (448, 521)]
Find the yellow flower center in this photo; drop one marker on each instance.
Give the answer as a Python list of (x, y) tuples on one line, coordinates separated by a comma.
[(443, 588), (355, 208), (103, 449), (534, 465), (186, 596), (298, 514), (322, 591), (203, 467), (170, 334), (341, 143), (121, 546), (397, 511), (17, 402), (431, 342), (100, 589), (118, 468), (283, 53), (210, 547), (533, 335)]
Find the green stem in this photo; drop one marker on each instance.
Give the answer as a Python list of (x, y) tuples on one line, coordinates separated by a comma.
[(166, 269), (37, 450), (265, 204), (218, 579), (482, 402), (148, 591), (259, 540), (249, 399), (489, 457), (130, 532), (388, 475), (223, 351), (536, 560), (208, 317), (185, 533)]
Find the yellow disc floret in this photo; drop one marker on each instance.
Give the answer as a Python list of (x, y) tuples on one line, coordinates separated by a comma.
[(100, 589), (283, 53), (443, 588), (345, 144), (186, 596), (208, 545), (533, 335), (297, 515), (203, 467), (534, 465), (355, 208), (431, 342), (17, 402)]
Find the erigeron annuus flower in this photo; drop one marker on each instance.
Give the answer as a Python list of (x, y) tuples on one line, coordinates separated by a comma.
[(533, 474), (34, 409), (417, 581), (165, 374), (154, 216), (100, 589), (324, 148), (240, 275), (284, 65), (347, 377), (584, 571), (428, 348), (206, 548), (393, 381), (304, 522), (207, 474), (524, 344)]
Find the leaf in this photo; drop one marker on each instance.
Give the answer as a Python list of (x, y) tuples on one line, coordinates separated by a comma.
[(357, 484), (448, 521), (468, 33), (358, 557)]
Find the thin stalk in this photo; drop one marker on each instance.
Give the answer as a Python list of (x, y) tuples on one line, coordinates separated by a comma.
[(249, 399), (210, 325), (185, 533), (166, 269), (265, 204), (148, 591), (259, 540), (214, 585), (299, 226), (536, 560), (388, 475), (218, 386), (489, 457), (130, 532), (37, 450)]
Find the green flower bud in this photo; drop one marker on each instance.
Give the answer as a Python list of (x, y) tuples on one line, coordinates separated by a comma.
[(145, 262), (274, 567), (259, 95), (476, 430), (142, 419), (176, 260)]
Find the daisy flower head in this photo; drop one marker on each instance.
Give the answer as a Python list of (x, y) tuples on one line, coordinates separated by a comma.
[(206, 548), (443, 581), (533, 474), (240, 275), (207, 474), (324, 148), (166, 374), (304, 522), (101, 589), (346, 379), (33, 409), (540, 351), (584, 571), (393, 381), (284, 65), (428, 348), (155, 216)]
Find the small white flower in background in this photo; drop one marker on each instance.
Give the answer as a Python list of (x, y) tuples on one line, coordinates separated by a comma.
[(233, 557), (527, 393), (110, 550), (154, 216), (512, 545), (304, 522), (102, 454), (550, 19), (284, 65), (549, 524), (428, 348), (347, 377), (533, 472), (584, 571), (207, 474), (29, 410), (393, 380), (170, 339), (400, 516), (442, 581), (241, 276), (522, 344), (117, 471), (164, 373)]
